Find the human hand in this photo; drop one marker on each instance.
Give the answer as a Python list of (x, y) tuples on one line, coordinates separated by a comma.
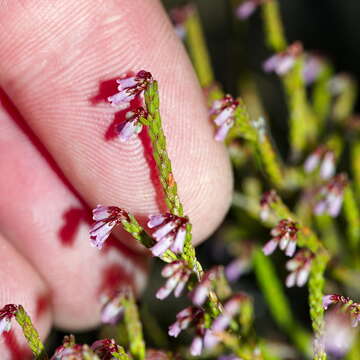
[(54, 55)]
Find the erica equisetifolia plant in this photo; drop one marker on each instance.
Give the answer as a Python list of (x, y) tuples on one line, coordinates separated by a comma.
[(300, 200)]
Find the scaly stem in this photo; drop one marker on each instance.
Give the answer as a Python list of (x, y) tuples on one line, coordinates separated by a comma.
[(133, 326), (279, 307), (199, 54), (31, 335), (274, 31)]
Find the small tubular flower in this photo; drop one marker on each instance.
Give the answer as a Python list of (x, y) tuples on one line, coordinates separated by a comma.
[(324, 158), (178, 275), (222, 112), (267, 199), (106, 218), (132, 125), (331, 196), (189, 315), (202, 290), (247, 8), (313, 66), (299, 268), (170, 233), (351, 307), (281, 63), (6, 314), (183, 320), (339, 335), (74, 352), (221, 323), (285, 235), (129, 88), (112, 310), (237, 268), (104, 348)]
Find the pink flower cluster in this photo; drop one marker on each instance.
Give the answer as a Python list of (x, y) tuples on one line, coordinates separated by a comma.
[(205, 338), (104, 348), (223, 115), (285, 235), (247, 8), (353, 308), (112, 309), (267, 199), (132, 125), (324, 158), (184, 318), (170, 233), (281, 63), (130, 88), (178, 275), (106, 218), (331, 195), (201, 292), (70, 351), (222, 322), (6, 314), (299, 268)]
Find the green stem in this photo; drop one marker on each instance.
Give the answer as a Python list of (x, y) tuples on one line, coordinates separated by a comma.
[(274, 32), (198, 50), (133, 326), (31, 335), (279, 307), (316, 286), (352, 216)]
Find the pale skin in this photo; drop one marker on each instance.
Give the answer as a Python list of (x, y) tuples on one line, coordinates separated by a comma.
[(54, 55)]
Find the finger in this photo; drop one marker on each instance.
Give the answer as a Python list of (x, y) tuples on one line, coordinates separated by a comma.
[(21, 285), (49, 226), (55, 54)]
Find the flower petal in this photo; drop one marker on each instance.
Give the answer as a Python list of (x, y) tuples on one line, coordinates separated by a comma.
[(178, 245), (155, 220), (270, 247), (164, 230), (159, 248)]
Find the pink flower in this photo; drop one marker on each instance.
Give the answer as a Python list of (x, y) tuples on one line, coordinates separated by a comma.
[(331, 196), (265, 204), (338, 334), (184, 318), (351, 307), (283, 62), (299, 268), (179, 16), (221, 323), (236, 268), (247, 8), (104, 348), (132, 125), (284, 235), (201, 291), (112, 310), (170, 233), (323, 157), (6, 314), (106, 218), (313, 66), (130, 87), (196, 346), (223, 113), (69, 352), (178, 274)]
